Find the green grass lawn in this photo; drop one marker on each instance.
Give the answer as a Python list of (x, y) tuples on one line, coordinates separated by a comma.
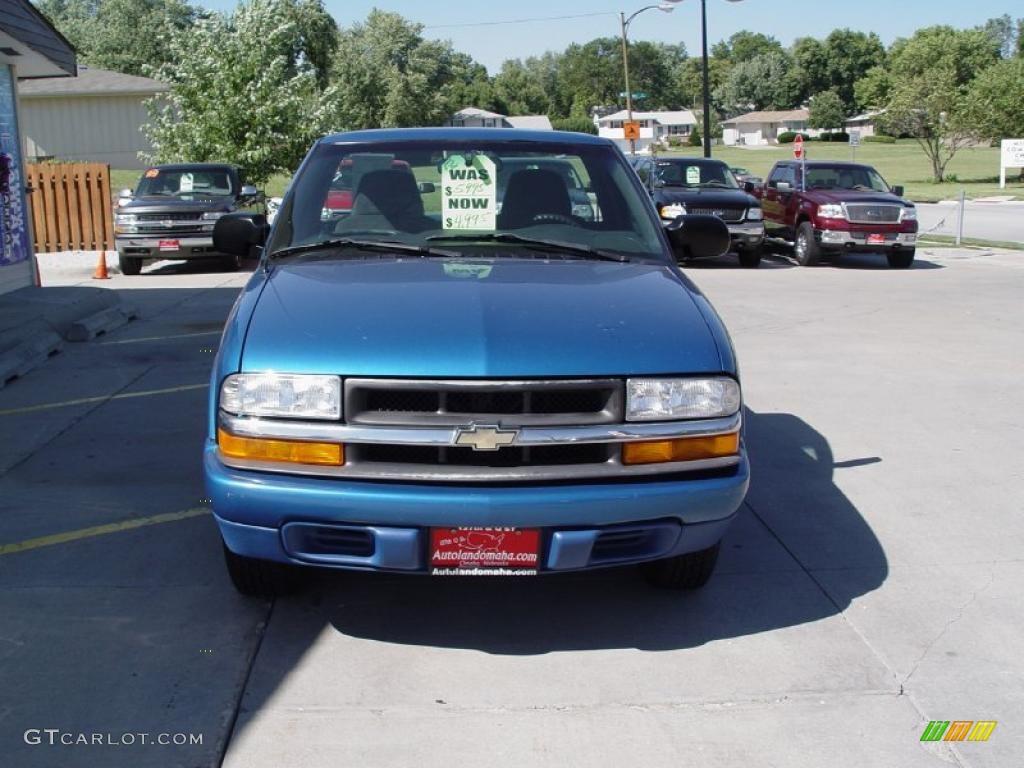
[(976, 169)]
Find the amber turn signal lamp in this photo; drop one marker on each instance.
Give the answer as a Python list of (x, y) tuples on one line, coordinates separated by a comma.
[(681, 449), (292, 451)]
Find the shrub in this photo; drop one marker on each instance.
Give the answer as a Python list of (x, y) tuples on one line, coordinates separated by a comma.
[(840, 136), (694, 140), (786, 137), (575, 124), (879, 139)]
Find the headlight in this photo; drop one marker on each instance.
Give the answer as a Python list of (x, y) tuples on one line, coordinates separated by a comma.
[(668, 399), (831, 211), (755, 214), (294, 396), (672, 210), (908, 214), (212, 215), (126, 218)]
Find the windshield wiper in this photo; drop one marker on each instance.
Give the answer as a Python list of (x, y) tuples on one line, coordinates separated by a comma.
[(378, 246), (560, 246)]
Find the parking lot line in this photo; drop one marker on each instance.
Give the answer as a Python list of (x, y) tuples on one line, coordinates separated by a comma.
[(161, 338), (100, 530), (100, 399)]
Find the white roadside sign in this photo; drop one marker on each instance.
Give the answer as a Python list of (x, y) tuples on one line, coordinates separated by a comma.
[(1010, 156)]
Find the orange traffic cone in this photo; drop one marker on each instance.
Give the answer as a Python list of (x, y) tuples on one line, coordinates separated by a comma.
[(101, 268)]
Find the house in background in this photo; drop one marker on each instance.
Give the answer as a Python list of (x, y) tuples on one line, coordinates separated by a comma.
[(654, 126), (30, 47), (94, 117), (864, 123), (471, 117), (756, 128)]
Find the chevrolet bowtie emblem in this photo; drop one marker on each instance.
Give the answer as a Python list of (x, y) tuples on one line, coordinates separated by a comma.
[(485, 437)]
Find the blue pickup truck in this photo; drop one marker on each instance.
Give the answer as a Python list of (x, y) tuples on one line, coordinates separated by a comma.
[(441, 380)]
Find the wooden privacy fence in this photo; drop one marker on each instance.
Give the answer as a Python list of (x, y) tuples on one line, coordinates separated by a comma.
[(71, 206)]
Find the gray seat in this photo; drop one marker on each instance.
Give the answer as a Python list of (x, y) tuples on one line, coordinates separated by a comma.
[(386, 200), (532, 193)]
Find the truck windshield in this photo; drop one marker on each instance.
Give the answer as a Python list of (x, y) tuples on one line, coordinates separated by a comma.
[(184, 182), (690, 172), (420, 192), (856, 177)]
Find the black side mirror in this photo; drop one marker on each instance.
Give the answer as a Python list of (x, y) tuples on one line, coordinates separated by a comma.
[(238, 233), (898, 190), (696, 236), (749, 186), (425, 187)]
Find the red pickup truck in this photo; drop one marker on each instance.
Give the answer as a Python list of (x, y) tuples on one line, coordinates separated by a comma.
[(824, 207)]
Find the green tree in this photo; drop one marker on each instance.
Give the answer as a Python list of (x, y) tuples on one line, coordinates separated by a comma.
[(122, 35), (836, 63), (995, 102), (826, 111), (764, 82), (872, 90), (242, 90), (385, 74), (931, 75), (518, 90), (1004, 33), (745, 45)]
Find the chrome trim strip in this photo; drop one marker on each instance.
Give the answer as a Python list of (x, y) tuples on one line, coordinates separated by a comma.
[(446, 473), (331, 432)]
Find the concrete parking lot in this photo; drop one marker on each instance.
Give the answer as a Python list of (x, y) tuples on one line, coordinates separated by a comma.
[(872, 583)]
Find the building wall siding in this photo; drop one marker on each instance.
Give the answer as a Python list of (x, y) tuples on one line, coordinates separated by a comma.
[(102, 129)]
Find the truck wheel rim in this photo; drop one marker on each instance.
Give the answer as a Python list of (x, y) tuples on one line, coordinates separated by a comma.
[(801, 245)]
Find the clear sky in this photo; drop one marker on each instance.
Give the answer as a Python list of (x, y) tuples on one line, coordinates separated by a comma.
[(783, 19)]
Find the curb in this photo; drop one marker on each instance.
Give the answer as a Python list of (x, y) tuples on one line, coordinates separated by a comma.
[(26, 349), (88, 328), (38, 321)]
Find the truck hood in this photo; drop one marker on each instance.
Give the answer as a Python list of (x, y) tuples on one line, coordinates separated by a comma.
[(493, 318), (705, 198), (167, 204), (852, 196)]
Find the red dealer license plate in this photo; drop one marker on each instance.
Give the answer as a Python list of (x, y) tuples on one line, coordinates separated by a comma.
[(169, 245), (876, 239), (484, 551)]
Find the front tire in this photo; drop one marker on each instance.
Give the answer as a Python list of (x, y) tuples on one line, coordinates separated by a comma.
[(128, 264), (690, 571), (230, 262), (901, 259), (750, 257), (808, 252), (258, 578)]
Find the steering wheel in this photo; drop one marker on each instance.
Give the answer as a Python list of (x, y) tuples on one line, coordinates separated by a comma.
[(557, 218)]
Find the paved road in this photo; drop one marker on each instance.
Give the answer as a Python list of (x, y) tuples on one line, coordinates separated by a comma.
[(872, 583), (986, 221)]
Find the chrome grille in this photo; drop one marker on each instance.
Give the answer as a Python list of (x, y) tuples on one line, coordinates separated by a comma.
[(175, 216), (547, 455), (873, 213), (457, 403), (725, 213)]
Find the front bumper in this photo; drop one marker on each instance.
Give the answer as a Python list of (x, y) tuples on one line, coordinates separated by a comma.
[(854, 240), (256, 511), (192, 247), (747, 234)]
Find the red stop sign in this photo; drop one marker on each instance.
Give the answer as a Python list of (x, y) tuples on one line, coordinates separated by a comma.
[(798, 146)]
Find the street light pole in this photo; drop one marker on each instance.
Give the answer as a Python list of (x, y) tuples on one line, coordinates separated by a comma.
[(706, 89), (667, 6), (625, 72)]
